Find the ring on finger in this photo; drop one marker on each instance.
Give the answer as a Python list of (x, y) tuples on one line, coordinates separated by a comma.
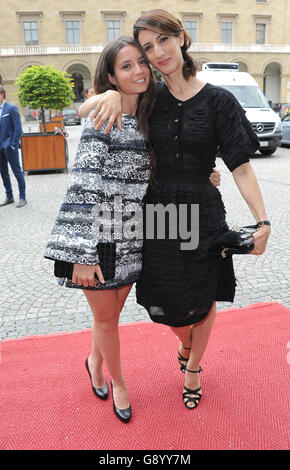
[(97, 283)]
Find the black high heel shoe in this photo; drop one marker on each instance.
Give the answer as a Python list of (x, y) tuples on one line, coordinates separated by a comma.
[(186, 395), (123, 415), (102, 392), (181, 359)]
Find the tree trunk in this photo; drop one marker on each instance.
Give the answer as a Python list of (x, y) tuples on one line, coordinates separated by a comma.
[(43, 120)]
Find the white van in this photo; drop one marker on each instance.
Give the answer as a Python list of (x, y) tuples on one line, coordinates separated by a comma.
[(265, 122)]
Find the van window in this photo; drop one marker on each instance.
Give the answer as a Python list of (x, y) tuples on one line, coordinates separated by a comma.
[(248, 96)]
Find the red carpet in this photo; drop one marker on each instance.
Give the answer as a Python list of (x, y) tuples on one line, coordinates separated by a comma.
[(46, 401)]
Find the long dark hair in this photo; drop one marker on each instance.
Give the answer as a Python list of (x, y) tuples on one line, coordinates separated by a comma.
[(161, 21), (105, 66)]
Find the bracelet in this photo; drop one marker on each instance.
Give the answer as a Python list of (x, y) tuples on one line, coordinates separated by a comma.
[(263, 222)]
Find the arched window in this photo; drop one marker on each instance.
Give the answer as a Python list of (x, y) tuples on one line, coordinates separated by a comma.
[(78, 86), (272, 82), (242, 66), (81, 78)]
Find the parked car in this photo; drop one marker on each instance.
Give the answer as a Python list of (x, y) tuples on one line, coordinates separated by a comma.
[(71, 116), (265, 122), (281, 108), (286, 129)]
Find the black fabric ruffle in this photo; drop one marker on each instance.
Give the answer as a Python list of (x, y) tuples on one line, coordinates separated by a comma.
[(178, 287)]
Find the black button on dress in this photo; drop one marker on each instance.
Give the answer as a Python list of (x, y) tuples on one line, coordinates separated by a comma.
[(178, 286)]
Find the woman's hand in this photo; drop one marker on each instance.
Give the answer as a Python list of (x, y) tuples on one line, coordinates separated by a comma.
[(261, 239), (215, 177), (109, 106), (84, 275)]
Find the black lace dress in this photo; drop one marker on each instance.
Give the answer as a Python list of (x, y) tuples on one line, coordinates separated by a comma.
[(178, 286)]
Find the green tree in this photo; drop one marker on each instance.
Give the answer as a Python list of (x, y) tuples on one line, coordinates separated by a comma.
[(43, 87)]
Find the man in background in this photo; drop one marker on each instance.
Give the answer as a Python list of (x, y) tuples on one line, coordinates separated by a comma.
[(88, 92), (10, 133)]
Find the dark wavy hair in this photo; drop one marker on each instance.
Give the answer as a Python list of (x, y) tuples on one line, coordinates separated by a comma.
[(2, 91), (161, 21), (105, 66)]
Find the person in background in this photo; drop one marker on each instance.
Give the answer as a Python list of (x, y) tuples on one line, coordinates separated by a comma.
[(10, 133), (88, 92)]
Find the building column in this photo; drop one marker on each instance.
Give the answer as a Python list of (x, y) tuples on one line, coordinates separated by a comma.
[(259, 77), (285, 88)]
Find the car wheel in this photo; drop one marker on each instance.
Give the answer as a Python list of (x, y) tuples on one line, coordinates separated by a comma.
[(267, 151)]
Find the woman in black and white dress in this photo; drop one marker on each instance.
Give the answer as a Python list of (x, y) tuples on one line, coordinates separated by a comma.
[(110, 173)]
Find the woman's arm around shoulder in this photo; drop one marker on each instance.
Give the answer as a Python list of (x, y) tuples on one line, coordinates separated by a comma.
[(106, 105)]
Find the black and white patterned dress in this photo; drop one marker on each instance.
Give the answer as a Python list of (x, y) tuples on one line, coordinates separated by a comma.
[(109, 179)]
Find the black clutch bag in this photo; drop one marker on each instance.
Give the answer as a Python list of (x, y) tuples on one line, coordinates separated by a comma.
[(235, 242), (107, 256)]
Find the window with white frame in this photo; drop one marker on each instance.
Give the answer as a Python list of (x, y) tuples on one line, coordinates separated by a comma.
[(226, 32), (262, 24), (191, 28), (113, 29), (29, 22), (227, 22), (114, 23), (73, 25), (73, 31), (260, 33), (30, 29), (191, 23)]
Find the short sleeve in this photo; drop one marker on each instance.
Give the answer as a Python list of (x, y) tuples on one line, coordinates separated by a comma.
[(237, 141)]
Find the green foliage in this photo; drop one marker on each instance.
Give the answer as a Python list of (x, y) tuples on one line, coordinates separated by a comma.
[(41, 86)]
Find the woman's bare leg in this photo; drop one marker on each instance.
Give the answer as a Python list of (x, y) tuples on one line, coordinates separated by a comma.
[(200, 335), (184, 334), (105, 306), (123, 293), (95, 359), (197, 335)]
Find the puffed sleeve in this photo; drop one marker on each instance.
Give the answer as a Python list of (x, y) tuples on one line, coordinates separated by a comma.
[(236, 139), (73, 238)]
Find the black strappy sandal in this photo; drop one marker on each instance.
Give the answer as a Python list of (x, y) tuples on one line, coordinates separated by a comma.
[(180, 359), (186, 395)]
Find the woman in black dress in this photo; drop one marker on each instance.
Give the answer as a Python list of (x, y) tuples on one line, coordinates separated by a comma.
[(190, 123)]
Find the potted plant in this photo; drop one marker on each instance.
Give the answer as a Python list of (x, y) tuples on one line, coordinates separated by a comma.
[(43, 87)]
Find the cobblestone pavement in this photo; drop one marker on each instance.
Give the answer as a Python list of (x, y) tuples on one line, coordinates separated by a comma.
[(31, 302)]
